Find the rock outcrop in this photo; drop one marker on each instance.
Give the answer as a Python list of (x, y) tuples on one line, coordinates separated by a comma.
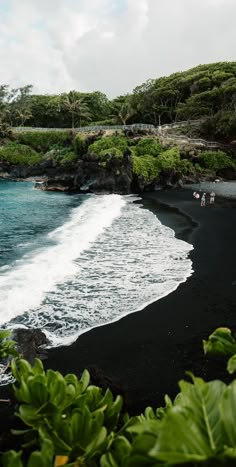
[(29, 343), (89, 174)]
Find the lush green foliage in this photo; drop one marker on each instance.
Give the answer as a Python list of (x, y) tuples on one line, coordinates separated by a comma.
[(62, 155), (42, 141), (114, 151), (76, 105), (222, 342), (198, 92), (221, 126), (107, 144), (149, 146), (75, 419), (19, 154), (7, 346), (216, 160), (64, 147), (80, 145), (70, 422), (146, 167), (170, 159), (206, 91)]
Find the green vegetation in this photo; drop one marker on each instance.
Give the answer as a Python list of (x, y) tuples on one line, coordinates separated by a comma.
[(19, 154), (216, 160), (62, 155), (149, 158), (150, 146), (146, 167), (204, 92), (222, 342), (68, 421), (43, 141), (76, 106), (7, 346), (108, 144), (150, 167)]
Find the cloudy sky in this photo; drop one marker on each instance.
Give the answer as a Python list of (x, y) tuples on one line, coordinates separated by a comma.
[(110, 45)]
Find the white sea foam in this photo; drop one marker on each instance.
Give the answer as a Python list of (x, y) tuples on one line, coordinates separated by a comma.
[(25, 285), (110, 259)]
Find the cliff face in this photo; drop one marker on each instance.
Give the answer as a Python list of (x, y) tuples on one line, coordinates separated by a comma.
[(86, 174), (115, 163)]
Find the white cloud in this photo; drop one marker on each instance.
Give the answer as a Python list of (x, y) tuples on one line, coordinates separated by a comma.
[(110, 45)]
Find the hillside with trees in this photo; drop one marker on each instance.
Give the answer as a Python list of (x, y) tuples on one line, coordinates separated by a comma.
[(205, 92)]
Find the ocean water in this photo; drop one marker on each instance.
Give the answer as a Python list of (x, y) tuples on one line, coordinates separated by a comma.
[(72, 262)]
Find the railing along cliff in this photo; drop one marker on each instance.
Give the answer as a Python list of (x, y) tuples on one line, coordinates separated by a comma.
[(136, 126), (160, 131)]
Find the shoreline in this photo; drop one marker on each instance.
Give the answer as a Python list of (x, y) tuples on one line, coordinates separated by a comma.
[(144, 354), (182, 226)]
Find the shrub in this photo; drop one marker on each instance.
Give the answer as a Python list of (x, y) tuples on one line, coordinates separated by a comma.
[(108, 142), (185, 166), (19, 154), (148, 146), (63, 155), (146, 167), (67, 421), (44, 140), (170, 159), (80, 145), (216, 160), (113, 151)]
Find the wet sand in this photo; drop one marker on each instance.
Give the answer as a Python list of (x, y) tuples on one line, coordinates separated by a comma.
[(145, 354)]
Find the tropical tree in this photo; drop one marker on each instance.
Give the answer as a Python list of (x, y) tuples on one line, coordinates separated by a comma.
[(126, 112), (75, 104), (23, 115)]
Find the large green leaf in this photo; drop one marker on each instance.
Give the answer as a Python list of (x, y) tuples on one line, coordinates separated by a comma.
[(228, 414), (220, 342), (231, 365), (179, 440), (12, 459), (38, 390), (192, 431)]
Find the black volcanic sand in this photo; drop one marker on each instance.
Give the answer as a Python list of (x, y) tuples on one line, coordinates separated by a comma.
[(145, 354)]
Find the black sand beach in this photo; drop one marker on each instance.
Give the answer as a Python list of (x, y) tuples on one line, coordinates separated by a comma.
[(145, 354)]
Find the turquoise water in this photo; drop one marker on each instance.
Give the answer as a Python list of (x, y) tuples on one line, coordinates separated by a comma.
[(27, 216), (72, 262)]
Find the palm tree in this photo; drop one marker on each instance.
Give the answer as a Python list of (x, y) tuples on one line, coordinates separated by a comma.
[(76, 106), (23, 115), (125, 112)]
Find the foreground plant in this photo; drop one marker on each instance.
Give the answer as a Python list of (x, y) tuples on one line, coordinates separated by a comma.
[(69, 422), (222, 342)]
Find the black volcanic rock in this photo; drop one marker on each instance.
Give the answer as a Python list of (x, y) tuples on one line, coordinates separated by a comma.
[(29, 342)]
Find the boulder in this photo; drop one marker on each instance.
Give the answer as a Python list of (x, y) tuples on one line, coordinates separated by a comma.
[(29, 343)]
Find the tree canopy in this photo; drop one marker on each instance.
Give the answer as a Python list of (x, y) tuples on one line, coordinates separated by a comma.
[(205, 92)]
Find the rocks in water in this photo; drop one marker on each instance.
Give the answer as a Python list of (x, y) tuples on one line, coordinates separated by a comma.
[(29, 343)]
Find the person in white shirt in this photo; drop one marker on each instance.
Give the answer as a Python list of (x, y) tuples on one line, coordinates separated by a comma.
[(212, 197), (203, 199)]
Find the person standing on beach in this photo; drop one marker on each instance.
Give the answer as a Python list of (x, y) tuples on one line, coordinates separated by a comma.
[(203, 199), (212, 197)]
